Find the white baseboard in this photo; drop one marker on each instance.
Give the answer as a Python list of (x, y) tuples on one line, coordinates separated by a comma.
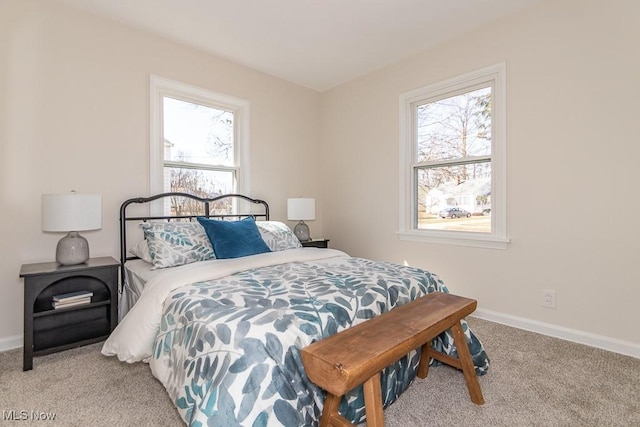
[(9, 343), (615, 345)]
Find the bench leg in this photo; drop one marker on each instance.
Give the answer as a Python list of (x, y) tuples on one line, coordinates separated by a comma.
[(330, 409), (423, 365), (464, 356), (372, 406), (373, 402)]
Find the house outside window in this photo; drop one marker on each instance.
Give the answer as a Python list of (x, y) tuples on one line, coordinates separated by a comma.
[(199, 145), (452, 161)]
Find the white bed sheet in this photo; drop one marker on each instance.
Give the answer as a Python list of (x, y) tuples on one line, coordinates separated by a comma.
[(137, 274)]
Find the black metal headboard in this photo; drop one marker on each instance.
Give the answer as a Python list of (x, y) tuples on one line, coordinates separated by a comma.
[(198, 206)]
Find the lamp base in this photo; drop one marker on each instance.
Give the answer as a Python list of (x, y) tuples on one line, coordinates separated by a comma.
[(301, 230), (72, 249)]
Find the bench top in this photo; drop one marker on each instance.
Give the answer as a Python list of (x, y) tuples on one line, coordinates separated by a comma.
[(344, 360)]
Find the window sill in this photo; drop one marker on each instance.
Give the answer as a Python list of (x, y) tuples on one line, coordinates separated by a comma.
[(476, 240)]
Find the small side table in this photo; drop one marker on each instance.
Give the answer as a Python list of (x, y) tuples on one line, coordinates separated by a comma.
[(316, 243), (47, 329)]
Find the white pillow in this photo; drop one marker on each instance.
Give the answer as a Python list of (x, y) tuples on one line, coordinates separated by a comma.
[(278, 236), (141, 250)]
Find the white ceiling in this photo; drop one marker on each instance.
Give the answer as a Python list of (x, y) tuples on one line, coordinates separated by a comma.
[(315, 43)]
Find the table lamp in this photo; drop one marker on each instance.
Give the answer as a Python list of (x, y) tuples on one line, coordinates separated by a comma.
[(301, 209), (71, 213)]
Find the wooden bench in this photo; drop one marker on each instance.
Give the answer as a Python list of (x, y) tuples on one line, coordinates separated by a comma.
[(356, 355)]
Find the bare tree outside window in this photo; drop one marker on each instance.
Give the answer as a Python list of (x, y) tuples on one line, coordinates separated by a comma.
[(453, 162)]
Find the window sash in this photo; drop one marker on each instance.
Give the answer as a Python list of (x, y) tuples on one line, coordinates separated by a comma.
[(200, 166), (416, 186), (456, 162), (208, 104)]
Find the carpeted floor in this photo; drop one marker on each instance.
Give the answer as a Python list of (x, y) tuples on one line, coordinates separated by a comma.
[(533, 380)]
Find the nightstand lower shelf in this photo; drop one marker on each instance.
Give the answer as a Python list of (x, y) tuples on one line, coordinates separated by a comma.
[(64, 339), (70, 335)]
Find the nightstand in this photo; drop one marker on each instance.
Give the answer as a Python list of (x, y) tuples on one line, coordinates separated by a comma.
[(316, 243), (47, 329)]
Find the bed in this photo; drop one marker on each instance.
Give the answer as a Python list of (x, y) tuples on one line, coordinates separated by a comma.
[(222, 320)]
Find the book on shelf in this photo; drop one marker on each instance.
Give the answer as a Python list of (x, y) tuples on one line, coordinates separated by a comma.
[(73, 303), (73, 296)]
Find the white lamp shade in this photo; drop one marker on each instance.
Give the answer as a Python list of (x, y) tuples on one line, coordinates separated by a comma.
[(301, 209), (71, 212)]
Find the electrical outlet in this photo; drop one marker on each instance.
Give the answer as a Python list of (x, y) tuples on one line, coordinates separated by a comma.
[(548, 298)]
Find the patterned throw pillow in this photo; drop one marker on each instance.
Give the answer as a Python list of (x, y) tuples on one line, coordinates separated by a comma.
[(177, 243), (278, 236)]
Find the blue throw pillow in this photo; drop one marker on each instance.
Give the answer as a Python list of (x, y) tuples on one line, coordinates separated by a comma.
[(234, 239)]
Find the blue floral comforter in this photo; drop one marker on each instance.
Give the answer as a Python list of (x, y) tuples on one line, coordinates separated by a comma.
[(228, 349)]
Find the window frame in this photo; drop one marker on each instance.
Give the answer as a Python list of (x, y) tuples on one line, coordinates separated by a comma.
[(494, 75), (161, 87)]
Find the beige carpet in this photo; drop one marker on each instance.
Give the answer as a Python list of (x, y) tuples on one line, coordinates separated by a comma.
[(533, 381)]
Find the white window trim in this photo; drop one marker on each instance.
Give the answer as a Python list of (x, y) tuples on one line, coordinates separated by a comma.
[(160, 87), (498, 238)]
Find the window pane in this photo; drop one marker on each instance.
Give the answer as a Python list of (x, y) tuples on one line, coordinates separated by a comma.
[(182, 206), (196, 133), (202, 183), (454, 127), (454, 197)]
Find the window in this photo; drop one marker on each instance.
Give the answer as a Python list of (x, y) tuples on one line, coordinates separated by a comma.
[(199, 143), (452, 161)]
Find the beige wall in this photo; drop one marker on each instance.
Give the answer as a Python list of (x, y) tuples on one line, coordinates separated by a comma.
[(573, 87), (74, 102)]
